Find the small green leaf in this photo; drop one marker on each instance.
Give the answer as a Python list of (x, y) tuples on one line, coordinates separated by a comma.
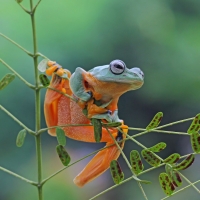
[(42, 66), (8, 78), (195, 125), (155, 121), (44, 80), (116, 172), (111, 124), (150, 157), (166, 184), (97, 129), (63, 155), (20, 138), (19, 1), (185, 163), (61, 136), (173, 158), (173, 175), (195, 142), (158, 147), (136, 162)]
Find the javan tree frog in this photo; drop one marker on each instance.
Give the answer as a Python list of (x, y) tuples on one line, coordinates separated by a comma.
[(97, 91)]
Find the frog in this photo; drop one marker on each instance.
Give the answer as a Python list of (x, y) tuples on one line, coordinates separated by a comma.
[(97, 92)]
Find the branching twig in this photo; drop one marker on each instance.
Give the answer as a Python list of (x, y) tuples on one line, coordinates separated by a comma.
[(20, 77), (19, 46), (18, 176), (15, 119)]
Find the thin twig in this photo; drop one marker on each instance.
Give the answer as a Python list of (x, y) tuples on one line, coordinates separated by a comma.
[(34, 9), (190, 182), (15, 119), (126, 160), (18, 176), (20, 77), (41, 55), (66, 125), (62, 93), (158, 131), (27, 11), (181, 190), (19, 46)]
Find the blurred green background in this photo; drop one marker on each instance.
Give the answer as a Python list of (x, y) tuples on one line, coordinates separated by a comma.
[(160, 37)]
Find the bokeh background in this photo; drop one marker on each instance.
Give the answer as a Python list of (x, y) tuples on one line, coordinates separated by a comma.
[(160, 37)]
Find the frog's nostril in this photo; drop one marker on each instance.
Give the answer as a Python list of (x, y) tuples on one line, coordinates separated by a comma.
[(141, 72)]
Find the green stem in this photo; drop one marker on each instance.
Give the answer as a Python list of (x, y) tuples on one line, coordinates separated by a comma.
[(41, 55), (126, 160), (37, 103), (19, 46), (65, 125), (20, 77), (128, 179), (159, 127), (110, 188), (15, 119), (18, 176), (34, 9), (62, 93), (27, 11), (158, 131), (191, 184), (181, 190)]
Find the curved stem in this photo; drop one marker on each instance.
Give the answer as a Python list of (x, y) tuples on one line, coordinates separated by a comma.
[(15, 119), (19, 46), (27, 11), (18, 176), (20, 77)]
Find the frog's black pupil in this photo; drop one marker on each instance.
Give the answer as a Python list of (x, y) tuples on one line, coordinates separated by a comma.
[(118, 66)]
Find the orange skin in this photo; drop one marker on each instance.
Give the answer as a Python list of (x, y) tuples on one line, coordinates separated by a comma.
[(61, 110)]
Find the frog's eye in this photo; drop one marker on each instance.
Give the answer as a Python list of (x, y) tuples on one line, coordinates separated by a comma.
[(117, 67)]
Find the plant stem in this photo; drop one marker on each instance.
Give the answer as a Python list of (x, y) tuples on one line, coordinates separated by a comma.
[(18, 176), (20, 77), (37, 103), (19, 46), (158, 131), (126, 160), (181, 190), (159, 127), (66, 125), (15, 119), (191, 184)]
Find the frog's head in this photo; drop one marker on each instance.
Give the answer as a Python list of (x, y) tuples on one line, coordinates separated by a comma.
[(117, 72), (108, 81)]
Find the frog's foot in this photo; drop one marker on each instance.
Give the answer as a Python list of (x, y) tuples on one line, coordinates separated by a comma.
[(101, 161), (94, 110), (53, 67)]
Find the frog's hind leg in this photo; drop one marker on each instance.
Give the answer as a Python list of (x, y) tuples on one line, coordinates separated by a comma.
[(52, 98), (101, 161)]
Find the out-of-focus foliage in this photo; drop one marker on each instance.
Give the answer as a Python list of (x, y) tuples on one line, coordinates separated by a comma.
[(160, 37)]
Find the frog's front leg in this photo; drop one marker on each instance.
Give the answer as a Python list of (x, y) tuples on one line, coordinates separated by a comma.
[(52, 97)]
